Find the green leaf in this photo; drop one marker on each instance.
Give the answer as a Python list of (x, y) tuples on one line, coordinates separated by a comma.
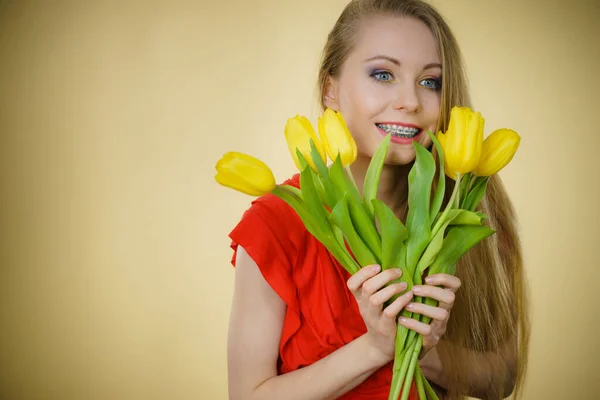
[(340, 217), (310, 222), (393, 234), (302, 161), (459, 240), (321, 232), (293, 189), (373, 175), (454, 217), (463, 217), (482, 215), (420, 178), (440, 190), (365, 228), (338, 179), (311, 194), (363, 222), (339, 235), (329, 193), (476, 194), (341, 254)]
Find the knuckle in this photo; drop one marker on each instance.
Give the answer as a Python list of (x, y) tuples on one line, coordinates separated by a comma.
[(444, 314), (366, 289), (451, 298), (427, 330), (374, 301), (389, 313)]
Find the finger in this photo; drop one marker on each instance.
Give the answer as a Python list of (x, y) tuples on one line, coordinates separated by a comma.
[(380, 280), (449, 282), (444, 297), (436, 313), (357, 280), (397, 305), (417, 326), (380, 297)]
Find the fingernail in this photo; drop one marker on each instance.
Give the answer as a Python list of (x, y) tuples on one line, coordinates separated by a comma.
[(403, 319), (398, 271), (429, 279), (416, 289), (376, 268), (410, 306), (408, 294)]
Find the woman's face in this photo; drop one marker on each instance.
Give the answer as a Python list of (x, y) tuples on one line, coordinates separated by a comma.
[(390, 82)]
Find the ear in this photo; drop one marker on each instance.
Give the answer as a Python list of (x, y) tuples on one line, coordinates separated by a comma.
[(330, 94)]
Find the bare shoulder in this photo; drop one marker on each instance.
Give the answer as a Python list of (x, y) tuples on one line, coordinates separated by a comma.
[(250, 281)]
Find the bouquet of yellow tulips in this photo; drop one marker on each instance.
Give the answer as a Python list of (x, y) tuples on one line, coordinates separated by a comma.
[(334, 211)]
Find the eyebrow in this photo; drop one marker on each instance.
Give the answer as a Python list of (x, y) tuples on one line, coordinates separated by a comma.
[(395, 61)]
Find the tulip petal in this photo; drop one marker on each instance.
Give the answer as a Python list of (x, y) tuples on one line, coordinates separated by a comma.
[(298, 134), (463, 141), (245, 173), (336, 137), (498, 150)]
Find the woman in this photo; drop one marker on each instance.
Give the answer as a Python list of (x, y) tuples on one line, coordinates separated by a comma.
[(301, 327)]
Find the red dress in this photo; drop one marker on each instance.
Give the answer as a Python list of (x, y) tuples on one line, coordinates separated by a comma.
[(322, 314)]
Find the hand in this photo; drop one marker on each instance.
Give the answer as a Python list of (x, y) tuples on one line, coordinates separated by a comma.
[(369, 288), (439, 315)]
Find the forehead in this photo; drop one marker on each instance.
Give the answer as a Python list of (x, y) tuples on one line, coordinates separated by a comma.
[(407, 39)]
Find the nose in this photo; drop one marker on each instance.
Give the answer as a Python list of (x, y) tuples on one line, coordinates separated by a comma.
[(407, 99)]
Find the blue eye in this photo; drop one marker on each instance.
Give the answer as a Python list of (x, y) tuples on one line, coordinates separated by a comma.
[(382, 76), (432, 83)]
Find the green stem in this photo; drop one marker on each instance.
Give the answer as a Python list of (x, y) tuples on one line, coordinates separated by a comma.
[(431, 394), (471, 181), (419, 381), (351, 176), (396, 381), (398, 376), (414, 356)]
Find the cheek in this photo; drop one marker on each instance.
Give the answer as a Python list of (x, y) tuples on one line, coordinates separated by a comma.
[(431, 108), (365, 100)]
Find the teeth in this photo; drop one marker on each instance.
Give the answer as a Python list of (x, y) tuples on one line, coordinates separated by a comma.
[(397, 130)]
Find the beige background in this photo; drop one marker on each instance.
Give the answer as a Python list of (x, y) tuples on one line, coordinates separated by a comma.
[(115, 274)]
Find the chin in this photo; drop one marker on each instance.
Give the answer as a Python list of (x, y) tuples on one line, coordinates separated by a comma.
[(399, 158)]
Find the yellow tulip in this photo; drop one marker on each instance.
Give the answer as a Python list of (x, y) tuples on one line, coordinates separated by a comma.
[(337, 137), (245, 173), (498, 150), (462, 142), (298, 132)]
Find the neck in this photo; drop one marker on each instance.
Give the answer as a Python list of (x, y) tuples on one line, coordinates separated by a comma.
[(393, 185)]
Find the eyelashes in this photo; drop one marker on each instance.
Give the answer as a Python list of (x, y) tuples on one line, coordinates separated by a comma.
[(383, 76), (376, 74), (436, 83)]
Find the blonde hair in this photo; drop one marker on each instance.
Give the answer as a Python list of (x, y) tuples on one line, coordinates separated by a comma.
[(491, 306)]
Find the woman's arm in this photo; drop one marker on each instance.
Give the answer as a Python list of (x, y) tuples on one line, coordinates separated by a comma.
[(490, 369), (253, 347)]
